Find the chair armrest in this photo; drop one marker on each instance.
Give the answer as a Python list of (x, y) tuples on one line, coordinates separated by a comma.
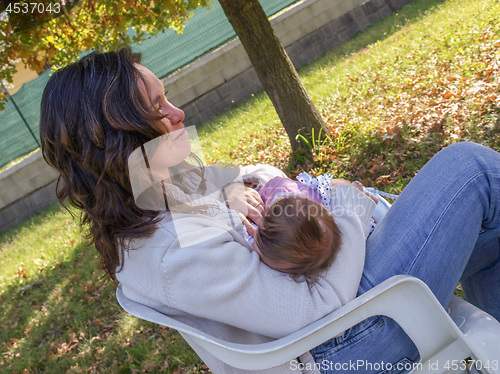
[(405, 299)]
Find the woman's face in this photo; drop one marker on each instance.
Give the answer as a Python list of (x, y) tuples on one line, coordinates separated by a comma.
[(173, 147)]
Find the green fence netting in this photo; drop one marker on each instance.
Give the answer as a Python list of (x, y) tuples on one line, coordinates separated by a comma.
[(17, 136), (205, 30)]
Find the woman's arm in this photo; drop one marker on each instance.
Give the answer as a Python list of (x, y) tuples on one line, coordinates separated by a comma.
[(222, 280)]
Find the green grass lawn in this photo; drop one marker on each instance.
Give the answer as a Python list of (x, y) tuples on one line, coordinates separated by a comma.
[(410, 85)]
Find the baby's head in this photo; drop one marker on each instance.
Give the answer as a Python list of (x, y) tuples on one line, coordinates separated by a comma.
[(298, 236)]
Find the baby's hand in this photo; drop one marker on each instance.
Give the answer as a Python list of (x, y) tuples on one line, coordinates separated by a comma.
[(356, 184), (339, 181)]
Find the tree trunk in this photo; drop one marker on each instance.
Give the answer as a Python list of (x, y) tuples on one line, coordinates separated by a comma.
[(274, 68)]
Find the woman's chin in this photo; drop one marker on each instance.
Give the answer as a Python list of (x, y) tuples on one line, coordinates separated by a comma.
[(182, 148)]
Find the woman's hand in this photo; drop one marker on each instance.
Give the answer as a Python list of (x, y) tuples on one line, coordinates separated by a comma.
[(255, 209), (247, 203), (255, 205)]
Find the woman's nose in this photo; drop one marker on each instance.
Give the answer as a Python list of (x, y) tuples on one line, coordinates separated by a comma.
[(175, 115)]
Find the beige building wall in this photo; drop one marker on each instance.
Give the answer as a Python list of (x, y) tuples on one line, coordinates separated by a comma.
[(22, 76)]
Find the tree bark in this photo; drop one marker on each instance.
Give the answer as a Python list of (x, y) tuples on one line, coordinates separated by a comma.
[(274, 68)]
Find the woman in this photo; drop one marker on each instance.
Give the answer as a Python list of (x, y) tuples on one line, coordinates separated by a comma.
[(444, 227)]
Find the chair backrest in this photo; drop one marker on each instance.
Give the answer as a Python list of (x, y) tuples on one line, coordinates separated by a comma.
[(405, 299)]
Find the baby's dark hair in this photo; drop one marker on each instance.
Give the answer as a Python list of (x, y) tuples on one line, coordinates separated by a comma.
[(291, 239)]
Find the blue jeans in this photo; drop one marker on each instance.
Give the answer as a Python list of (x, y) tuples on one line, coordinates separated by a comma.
[(444, 228)]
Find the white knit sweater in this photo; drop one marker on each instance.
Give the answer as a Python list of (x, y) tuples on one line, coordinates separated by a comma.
[(219, 285)]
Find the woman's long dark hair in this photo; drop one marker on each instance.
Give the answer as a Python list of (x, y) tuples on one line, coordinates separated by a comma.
[(93, 116)]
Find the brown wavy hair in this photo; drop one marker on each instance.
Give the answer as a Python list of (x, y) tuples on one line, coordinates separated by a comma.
[(291, 239), (93, 117)]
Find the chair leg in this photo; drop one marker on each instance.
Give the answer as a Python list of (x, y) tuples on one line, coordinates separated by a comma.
[(481, 331)]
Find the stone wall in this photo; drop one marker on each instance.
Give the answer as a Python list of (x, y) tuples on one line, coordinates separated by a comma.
[(26, 189), (211, 85)]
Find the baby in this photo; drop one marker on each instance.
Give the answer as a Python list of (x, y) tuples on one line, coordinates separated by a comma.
[(298, 234)]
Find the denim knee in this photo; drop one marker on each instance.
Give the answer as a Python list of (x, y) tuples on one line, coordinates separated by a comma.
[(466, 148)]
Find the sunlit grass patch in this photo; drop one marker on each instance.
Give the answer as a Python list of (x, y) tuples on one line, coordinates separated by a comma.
[(41, 242), (393, 96), (405, 96)]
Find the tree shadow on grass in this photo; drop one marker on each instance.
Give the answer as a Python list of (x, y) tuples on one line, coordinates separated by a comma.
[(387, 161), (67, 320)]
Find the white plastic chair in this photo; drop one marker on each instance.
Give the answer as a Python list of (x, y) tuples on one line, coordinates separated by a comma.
[(441, 337)]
